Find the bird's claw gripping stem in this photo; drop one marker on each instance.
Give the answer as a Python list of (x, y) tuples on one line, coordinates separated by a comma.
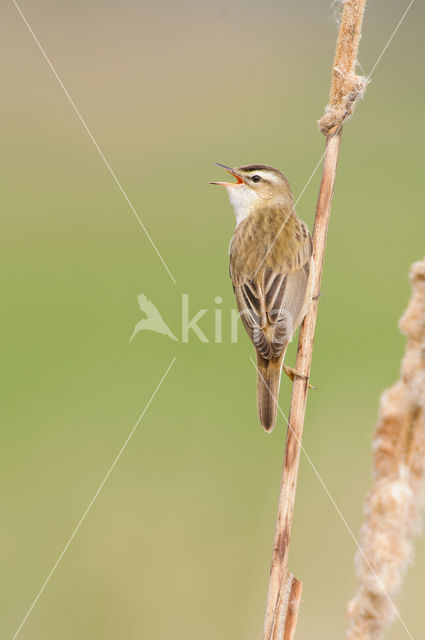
[(291, 373)]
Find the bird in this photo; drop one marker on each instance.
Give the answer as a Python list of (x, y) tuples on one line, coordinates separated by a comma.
[(271, 270)]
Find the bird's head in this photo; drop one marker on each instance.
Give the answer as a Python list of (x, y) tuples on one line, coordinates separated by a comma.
[(256, 186)]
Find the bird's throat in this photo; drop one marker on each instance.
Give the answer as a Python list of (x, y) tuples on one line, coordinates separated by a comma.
[(243, 200)]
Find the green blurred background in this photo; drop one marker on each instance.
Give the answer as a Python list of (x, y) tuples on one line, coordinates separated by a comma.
[(178, 543)]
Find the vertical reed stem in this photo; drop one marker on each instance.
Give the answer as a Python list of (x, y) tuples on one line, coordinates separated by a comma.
[(284, 594)]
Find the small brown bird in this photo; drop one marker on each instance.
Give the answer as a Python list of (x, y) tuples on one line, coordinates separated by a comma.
[(271, 271)]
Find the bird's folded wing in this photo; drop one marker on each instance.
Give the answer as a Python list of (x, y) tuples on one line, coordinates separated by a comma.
[(271, 307)]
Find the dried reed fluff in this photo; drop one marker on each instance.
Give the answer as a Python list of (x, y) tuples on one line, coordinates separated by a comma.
[(346, 88), (393, 505)]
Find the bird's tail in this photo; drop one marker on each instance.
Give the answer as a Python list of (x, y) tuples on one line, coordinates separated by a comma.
[(268, 382)]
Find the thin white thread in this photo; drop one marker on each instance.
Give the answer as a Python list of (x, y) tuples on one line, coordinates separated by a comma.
[(390, 39), (111, 468), (172, 362), (338, 510), (94, 142), (336, 133)]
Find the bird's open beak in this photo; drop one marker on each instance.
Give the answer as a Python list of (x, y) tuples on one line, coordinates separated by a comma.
[(233, 172)]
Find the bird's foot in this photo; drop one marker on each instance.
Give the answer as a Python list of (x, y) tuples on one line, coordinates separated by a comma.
[(319, 295), (292, 373)]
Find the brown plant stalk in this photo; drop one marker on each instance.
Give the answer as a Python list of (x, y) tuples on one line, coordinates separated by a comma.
[(394, 502), (284, 593)]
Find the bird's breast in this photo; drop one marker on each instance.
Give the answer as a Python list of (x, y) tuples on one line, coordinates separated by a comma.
[(259, 242)]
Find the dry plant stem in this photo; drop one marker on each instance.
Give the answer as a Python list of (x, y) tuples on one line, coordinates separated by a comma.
[(287, 608), (346, 87), (284, 592), (394, 503), (276, 616)]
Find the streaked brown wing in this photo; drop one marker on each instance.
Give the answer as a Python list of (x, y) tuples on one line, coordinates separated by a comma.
[(250, 301), (287, 308), (272, 285), (272, 306)]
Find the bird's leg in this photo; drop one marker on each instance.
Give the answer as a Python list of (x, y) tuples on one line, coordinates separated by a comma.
[(291, 373)]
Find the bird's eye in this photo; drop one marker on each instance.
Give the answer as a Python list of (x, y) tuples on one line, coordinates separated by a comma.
[(256, 178)]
